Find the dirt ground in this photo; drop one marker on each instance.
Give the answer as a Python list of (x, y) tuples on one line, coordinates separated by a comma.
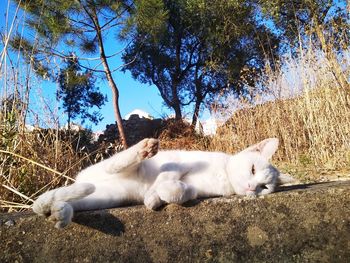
[(301, 223)]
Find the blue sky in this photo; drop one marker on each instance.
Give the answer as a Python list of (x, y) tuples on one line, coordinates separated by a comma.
[(133, 94)]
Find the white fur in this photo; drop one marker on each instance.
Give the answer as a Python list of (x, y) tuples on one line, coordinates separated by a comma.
[(141, 175)]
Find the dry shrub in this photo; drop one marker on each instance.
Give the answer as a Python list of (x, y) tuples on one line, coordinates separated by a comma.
[(40, 160), (178, 134)]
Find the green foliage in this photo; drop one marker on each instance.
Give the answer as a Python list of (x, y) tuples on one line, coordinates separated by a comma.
[(10, 109), (8, 130), (58, 24), (79, 93), (149, 18), (89, 45), (27, 48), (295, 19), (305, 160), (202, 51), (53, 23)]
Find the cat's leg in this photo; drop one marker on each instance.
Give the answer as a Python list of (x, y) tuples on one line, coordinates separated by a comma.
[(60, 204), (44, 203), (152, 199), (55, 203), (61, 214), (173, 172), (131, 157), (177, 192), (170, 191)]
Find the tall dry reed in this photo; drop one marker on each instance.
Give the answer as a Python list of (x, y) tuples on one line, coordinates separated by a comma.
[(303, 104), (33, 160)]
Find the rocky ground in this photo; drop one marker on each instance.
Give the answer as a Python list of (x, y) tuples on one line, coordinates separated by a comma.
[(301, 223)]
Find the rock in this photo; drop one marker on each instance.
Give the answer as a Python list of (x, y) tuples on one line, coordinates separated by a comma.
[(135, 128), (9, 222), (305, 223)]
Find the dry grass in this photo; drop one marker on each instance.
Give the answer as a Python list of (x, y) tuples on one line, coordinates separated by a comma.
[(34, 162), (305, 106), (30, 162), (312, 128)]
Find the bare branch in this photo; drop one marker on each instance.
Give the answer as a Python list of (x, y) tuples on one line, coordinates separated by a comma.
[(93, 69), (109, 22), (80, 22), (125, 64)]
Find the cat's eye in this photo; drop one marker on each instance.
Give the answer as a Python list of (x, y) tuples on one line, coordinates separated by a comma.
[(253, 169)]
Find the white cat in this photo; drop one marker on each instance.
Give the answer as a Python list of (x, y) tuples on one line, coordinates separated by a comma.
[(140, 175)]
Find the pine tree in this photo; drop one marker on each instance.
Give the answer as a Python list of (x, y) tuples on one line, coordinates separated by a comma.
[(77, 27), (79, 93), (201, 51)]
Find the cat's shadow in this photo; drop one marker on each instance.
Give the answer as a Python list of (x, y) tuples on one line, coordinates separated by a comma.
[(101, 221), (302, 186), (282, 188)]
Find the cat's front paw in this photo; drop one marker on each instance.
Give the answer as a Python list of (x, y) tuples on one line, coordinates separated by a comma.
[(148, 148), (41, 208)]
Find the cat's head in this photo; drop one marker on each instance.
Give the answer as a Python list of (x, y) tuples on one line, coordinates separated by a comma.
[(251, 173)]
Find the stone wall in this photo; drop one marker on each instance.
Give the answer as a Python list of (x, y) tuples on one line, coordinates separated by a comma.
[(136, 129), (303, 223)]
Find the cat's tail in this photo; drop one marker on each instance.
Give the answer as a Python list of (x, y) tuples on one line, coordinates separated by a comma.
[(76, 191)]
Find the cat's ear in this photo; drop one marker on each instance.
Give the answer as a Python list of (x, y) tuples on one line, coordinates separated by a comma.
[(266, 147), (285, 179)]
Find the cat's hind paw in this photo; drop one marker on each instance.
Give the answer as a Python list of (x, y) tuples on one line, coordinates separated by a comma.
[(149, 148), (61, 214), (176, 192), (152, 200)]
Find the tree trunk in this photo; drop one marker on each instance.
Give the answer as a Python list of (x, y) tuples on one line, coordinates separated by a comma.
[(199, 97), (175, 82), (175, 101), (115, 93), (68, 122), (178, 114), (196, 112), (111, 83)]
